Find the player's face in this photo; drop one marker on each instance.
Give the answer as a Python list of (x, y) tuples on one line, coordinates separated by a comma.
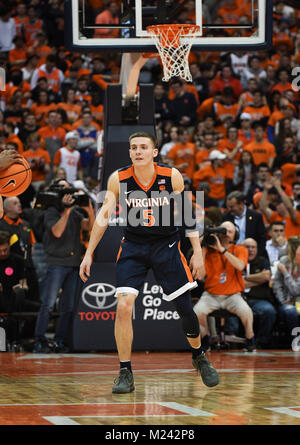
[(142, 151)]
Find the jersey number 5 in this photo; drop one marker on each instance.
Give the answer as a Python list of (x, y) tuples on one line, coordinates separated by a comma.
[(148, 216)]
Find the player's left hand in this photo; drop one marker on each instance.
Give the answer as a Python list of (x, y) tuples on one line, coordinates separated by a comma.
[(197, 267)]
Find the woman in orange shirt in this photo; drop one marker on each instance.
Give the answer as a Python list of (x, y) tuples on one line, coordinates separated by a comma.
[(182, 154), (215, 175), (17, 57), (70, 106), (41, 108), (38, 159), (232, 147), (40, 47)]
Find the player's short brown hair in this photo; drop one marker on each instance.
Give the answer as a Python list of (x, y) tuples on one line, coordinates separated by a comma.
[(143, 134)]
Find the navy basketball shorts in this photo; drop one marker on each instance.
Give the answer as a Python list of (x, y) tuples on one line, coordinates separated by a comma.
[(166, 260)]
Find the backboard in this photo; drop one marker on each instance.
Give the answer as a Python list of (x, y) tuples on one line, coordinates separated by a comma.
[(225, 25)]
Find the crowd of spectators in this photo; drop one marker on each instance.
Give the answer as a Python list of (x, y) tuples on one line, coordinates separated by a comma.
[(233, 132)]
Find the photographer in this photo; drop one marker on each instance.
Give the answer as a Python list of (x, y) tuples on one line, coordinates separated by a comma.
[(63, 224), (224, 264)]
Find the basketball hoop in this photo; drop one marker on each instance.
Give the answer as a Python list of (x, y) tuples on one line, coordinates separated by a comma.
[(174, 42)]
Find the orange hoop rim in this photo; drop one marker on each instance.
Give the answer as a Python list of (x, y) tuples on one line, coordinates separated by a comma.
[(184, 28), (169, 34)]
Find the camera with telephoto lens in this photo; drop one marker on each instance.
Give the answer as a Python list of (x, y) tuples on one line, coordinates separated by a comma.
[(53, 198), (208, 238)]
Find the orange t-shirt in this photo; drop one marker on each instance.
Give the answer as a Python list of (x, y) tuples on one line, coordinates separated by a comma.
[(224, 111), (257, 113), (19, 24), (37, 155), (42, 52), (231, 14), (205, 107), (289, 173), (14, 138), (17, 54), (281, 88), (246, 98), (261, 151), (275, 117), (219, 269), (246, 139), (202, 156), (48, 132), (182, 154), (98, 79), (215, 177), (31, 29), (73, 111), (291, 229), (41, 112), (10, 89), (105, 18), (98, 113), (225, 144)]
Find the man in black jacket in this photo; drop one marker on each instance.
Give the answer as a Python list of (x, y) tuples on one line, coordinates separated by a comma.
[(21, 240), (14, 290), (183, 107), (249, 221)]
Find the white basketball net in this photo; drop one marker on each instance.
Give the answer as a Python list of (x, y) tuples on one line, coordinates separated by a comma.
[(174, 42)]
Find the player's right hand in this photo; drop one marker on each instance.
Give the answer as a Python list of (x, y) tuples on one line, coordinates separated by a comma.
[(85, 268), (9, 157)]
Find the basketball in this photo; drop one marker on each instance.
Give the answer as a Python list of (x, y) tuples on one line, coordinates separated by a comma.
[(15, 179)]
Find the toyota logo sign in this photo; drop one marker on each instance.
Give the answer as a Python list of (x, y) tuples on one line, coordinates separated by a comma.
[(96, 296)]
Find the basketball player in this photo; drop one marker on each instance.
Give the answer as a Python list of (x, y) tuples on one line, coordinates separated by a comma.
[(149, 245), (7, 158)]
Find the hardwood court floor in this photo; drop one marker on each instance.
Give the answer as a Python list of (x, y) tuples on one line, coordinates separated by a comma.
[(261, 388)]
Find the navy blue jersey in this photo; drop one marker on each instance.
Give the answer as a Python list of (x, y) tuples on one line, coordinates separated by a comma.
[(149, 209)]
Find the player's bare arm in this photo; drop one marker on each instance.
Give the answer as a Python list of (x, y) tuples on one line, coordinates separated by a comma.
[(196, 261), (100, 225)]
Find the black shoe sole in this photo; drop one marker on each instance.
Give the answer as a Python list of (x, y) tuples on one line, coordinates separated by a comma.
[(116, 391), (209, 384)]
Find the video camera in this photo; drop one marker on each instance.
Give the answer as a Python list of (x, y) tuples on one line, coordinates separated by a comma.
[(208, 238), (53, 198)]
